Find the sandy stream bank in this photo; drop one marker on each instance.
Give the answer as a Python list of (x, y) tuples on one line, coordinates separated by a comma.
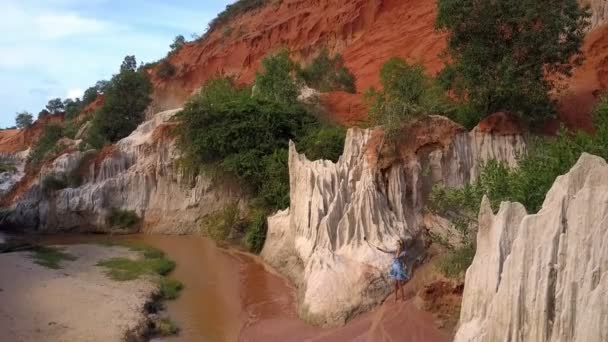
[(228, 296), (75, 303)]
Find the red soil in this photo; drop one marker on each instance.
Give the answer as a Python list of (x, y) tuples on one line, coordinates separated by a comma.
[(501, 123), (589, 82), (366, 32), (15, 140), (90, 109)]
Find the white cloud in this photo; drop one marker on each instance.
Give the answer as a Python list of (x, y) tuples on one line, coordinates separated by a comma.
[(61, 25), (74, 93)]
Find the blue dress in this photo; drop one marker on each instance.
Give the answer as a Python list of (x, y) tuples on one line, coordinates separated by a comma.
[(398, 270)]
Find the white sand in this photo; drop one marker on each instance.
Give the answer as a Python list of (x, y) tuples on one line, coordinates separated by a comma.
[(75, 303)]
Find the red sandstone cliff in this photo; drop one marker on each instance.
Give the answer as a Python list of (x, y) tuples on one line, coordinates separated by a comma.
[(366, 32)]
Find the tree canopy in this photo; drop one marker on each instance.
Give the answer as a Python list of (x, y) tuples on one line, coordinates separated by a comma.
[(24, 120), (407, 93), (126, 98), (501, 52), (55, 106)]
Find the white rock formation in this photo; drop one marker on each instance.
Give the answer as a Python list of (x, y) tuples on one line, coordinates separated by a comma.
[(141, 174), (599, 11), (543, 277), (319, 241), (10, 178)]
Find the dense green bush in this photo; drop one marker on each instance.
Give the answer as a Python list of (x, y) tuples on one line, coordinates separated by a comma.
[(455, 263), (122, 218), (499, 53), (219, 225), (243, 135), (278, 81), (407, 94), (126, 98), (24, 120), (73, 107), (256, 231), (47, 143), (323, 142), (165, 70), (235, 9), (328, 74)]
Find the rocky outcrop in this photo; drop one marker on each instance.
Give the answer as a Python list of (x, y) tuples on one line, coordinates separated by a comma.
[(15, 164), (140, 173), (320, 241), (543, 277), (599, 11)]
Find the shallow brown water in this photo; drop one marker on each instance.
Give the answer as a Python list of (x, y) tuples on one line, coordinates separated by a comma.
[(232, 296)]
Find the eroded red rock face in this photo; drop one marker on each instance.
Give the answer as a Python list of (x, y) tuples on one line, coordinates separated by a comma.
[(367, 33), (501, 123), (15, 140), (589, 82)]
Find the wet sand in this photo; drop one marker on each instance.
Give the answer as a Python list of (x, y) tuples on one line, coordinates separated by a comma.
[(233, 296)]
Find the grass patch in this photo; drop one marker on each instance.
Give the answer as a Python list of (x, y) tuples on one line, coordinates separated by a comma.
[(170, 288), (123, 269), (219, 225), (122, 218), (166, 327), (50, 257), (7, 168), (153, 262), (456, 262)]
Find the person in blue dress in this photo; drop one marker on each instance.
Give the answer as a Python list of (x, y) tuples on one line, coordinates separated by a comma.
[(398, 270)]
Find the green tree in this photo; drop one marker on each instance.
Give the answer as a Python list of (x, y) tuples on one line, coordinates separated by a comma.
[(126, 98), (327, 74), (178, 43), (500, 52), (55, 106), (72, 107), (24, 120), (407, 94), (165, 70), (43, 113), (128, 64), (278, 81)]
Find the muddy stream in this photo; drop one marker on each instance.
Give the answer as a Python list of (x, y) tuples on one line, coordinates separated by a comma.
[(233, 296)]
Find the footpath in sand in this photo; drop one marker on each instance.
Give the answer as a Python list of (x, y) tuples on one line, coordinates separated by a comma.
[(75, 303)]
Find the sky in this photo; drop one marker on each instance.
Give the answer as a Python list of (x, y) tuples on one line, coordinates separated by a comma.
[(59, 48)]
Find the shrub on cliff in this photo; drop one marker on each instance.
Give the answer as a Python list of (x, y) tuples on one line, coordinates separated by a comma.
[(500, 52), (165, 70), (47, 143), (328, 74), (256, 231), (224, 126), (125, 100), (278, 81), (123, 219), (407, 94), (237, 8), (527, 184), (24, 120)]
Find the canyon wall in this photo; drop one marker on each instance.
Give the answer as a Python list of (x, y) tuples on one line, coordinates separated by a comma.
[(543, 277), (140, 173), (372, 194), (367, 33)]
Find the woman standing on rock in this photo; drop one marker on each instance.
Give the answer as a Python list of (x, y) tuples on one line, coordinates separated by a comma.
[(398, 270)]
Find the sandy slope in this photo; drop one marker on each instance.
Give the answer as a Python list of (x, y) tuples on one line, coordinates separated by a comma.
[(76, 303)]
